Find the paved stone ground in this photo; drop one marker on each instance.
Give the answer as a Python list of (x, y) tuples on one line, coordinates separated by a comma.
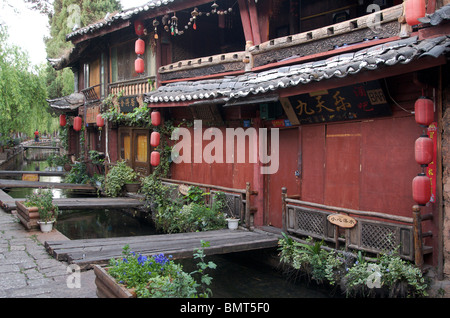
[(28, 271)]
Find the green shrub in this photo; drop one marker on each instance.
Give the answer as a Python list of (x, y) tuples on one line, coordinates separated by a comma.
[(158, 276), (117, 177), (388, 276)]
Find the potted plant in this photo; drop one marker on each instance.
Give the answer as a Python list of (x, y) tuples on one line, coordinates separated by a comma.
[(43, 201), (119, 175), (140, 276), (232, 223)]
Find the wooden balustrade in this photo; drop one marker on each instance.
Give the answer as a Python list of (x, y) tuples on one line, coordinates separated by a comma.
[(311, 219), (133, 87), (92, 93), (241, 198)]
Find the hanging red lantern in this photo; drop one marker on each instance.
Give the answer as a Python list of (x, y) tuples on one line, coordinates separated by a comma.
[(62, 120), (421, 189), (100, 121), (414, 9), (139, 65), (154, 139), (424, 150), (156, 118), (77, 123), (139, 27), (155, 158), (139, 47), (424, 111)]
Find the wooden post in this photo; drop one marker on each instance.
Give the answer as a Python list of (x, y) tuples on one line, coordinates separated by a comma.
[(283, 209), (418, 249), (247, 205)]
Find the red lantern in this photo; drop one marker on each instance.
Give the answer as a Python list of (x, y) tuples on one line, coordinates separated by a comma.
[(139, 27), (156, 118), (154, 139), (414, 9), (154, 158), (421, 189), (100, 121), (77, 123), (62, 120), (424, 150), (139, 47), (424, 111), (139, 65)]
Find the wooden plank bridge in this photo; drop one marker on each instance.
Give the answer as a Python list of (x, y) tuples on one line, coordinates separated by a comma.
[(8, 203), (21, 173), (87, 252), (6, 183)]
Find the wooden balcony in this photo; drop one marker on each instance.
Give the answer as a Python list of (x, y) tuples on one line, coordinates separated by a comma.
[(383, 24), (92, 93), (133, 87)]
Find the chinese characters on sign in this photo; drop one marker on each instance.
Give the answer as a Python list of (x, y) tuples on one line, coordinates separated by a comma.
[(363, 100), (431, 169), (127, 104), (341, 220)]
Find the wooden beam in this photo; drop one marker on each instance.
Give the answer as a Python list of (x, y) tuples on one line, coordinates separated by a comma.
[(253, 13), (246, 22)]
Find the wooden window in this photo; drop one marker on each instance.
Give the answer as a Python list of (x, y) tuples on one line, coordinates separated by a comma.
[(141, 147), (122, 61)]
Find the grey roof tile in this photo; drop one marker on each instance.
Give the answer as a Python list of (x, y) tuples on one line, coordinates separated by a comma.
[(403, 51)]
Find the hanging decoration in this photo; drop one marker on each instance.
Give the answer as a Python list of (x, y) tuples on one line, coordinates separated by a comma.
[(62, 120), (139, 27), (421, 189), (155, 158), (424, 150), (193, 20), (171, 24), (77, 123), (155, 138), (424, 111), (174, 25), (100, 121), (156, 118), (139, 65), (155, 25), (139, 47), (414, 9)]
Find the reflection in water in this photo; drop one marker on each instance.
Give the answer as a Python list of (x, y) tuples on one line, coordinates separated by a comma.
[(238, 275), (104, 223)]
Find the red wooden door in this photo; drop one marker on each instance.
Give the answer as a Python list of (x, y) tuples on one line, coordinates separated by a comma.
[(342, 165), (286, 176)]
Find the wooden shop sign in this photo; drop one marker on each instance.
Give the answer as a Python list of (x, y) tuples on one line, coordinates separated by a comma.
[(341, 220), (184, 189)]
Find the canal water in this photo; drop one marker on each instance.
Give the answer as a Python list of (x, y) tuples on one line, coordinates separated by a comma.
[(238, 275)]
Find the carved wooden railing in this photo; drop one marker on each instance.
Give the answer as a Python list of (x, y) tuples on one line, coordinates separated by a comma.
[(237, 200), (392, 231), (92, 93), (133, 87)]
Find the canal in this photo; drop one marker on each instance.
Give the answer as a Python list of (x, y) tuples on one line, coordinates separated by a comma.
[(238, 275)]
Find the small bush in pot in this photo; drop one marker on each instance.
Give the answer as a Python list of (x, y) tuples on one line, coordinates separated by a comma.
[(43, 200)]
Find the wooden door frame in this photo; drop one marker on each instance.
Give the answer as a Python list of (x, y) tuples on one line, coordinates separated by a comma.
[(143, 168)]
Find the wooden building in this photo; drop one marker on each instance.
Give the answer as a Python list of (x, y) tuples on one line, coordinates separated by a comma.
[(329, 86)]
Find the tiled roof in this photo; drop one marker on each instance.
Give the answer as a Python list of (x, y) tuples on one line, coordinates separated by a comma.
[(119, 16), (67, 103), (438, 16), (397, 52)]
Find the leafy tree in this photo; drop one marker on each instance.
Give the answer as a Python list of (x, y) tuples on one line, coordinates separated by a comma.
[(23, 105), (63, 19)]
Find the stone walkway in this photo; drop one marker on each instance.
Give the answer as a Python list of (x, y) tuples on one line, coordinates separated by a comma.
[(28, 271)]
